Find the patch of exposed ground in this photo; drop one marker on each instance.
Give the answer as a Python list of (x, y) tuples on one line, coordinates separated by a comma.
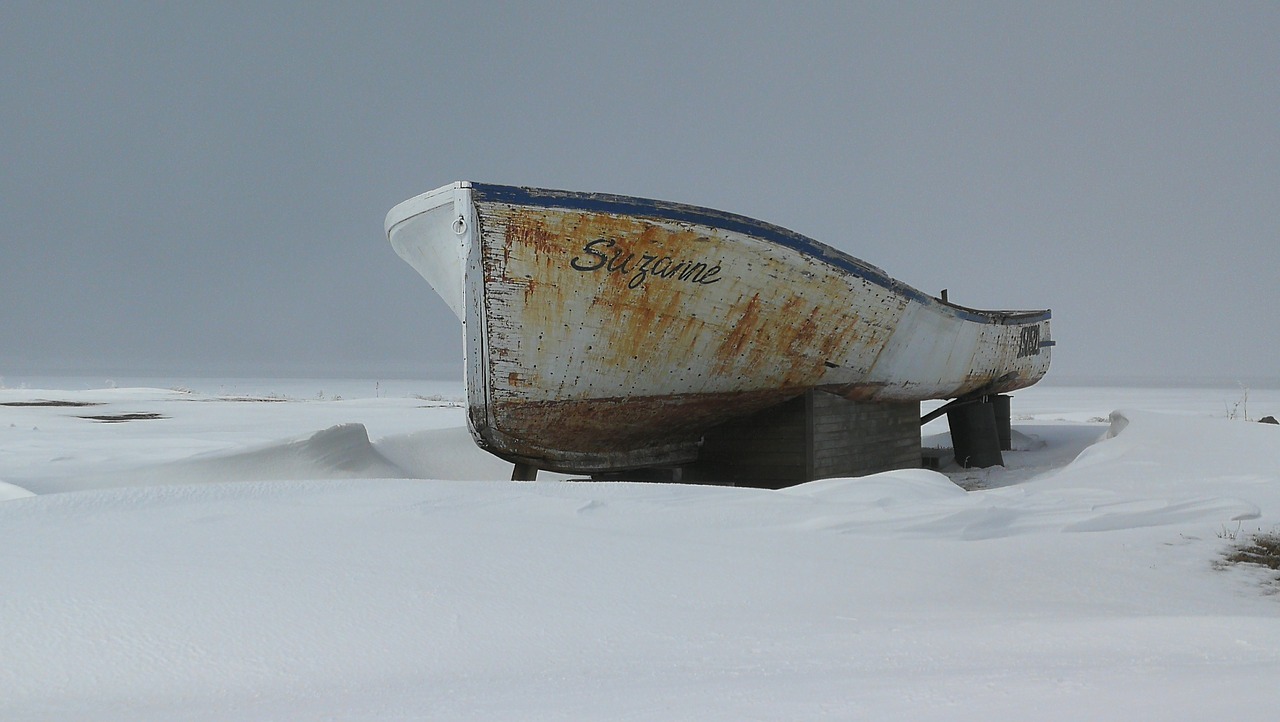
[(50, 403), (118, 418)]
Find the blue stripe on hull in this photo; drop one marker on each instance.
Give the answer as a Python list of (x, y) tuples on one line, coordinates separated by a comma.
[(679, 212)]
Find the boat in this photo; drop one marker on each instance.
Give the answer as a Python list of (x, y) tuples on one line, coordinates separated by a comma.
[(605, 332)]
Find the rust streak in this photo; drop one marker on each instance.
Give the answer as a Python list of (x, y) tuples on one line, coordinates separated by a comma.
[(613, 425)]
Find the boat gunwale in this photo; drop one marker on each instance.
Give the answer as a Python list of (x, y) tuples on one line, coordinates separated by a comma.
[(685, 213)]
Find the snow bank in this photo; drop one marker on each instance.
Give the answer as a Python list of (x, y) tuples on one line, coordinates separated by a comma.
[(339, 452), (9, 491), (896, 595)]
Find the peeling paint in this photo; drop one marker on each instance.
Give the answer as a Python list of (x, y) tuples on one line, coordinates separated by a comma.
[(608, 333)]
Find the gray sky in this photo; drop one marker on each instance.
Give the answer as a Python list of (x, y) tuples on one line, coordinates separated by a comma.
[(200, 190)]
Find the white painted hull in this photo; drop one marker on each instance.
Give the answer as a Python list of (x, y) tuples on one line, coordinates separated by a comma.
[(606, 332)]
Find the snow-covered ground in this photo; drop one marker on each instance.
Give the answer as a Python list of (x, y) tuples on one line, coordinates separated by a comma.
[(341, 550)]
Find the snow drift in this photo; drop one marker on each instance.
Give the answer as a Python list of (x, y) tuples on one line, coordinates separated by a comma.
[(1086, 592)]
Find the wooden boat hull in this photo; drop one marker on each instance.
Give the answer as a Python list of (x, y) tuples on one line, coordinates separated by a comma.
[(607, 332)]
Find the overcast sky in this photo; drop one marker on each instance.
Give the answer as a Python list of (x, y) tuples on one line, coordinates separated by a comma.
[(200, 188)]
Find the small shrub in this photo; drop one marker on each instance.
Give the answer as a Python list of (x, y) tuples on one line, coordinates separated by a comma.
[(1261, 549), (1240, 409)]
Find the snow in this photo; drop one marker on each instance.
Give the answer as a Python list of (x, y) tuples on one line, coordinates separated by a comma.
[(305, 556)]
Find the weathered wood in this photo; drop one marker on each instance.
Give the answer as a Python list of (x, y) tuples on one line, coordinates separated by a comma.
[(524, 472), (814, 436), (606, 333)]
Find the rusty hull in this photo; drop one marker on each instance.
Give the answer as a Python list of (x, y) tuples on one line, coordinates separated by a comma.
[(607, 333)]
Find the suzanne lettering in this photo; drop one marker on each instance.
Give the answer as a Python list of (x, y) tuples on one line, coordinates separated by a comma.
[(605, 254)]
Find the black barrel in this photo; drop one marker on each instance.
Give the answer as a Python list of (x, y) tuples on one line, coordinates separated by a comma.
[(974, 434), (1004, 420)]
